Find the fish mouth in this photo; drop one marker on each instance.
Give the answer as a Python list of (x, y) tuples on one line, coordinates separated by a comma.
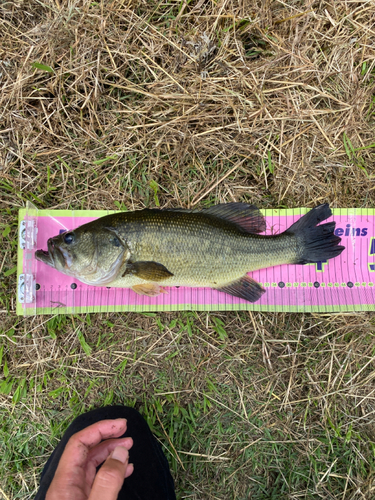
[(44, 256), (47, 256)]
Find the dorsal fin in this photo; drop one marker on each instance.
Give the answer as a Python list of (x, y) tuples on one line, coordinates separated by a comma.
[(247, 217)]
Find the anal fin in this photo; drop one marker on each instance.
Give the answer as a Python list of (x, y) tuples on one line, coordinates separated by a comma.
[(244, 288)]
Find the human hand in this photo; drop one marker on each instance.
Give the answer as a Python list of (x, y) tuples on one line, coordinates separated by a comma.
[(76, 477)]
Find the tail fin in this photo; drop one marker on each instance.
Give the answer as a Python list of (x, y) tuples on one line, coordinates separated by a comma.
[(316, 243)]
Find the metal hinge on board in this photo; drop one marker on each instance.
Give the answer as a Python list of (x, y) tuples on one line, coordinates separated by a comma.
[(26, 281), (26, 288), (29, 242)]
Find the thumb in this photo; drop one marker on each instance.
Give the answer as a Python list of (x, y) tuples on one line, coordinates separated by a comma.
[(110, 477)]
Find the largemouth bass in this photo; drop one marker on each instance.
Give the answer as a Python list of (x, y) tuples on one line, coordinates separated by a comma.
[(148, 250)]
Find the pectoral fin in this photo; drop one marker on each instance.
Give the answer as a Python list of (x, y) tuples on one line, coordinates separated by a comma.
[(149, 289), (244, 288), (148, 270)]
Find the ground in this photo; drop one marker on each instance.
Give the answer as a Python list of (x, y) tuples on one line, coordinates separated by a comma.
[(133, 104)]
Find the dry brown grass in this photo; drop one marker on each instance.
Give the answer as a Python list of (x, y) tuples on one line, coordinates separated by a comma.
[(149, 90), (260, 101)]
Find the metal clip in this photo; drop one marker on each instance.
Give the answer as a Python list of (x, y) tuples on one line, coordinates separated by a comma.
[(26, 289), (27, 234)]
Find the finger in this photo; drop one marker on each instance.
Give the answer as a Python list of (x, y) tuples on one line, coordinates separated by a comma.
[(101, 452), (77, 449), (111, 475), (129, 470)]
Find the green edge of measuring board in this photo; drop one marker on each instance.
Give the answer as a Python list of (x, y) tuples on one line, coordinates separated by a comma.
[(267, 212), (206, 307), (19, 309)]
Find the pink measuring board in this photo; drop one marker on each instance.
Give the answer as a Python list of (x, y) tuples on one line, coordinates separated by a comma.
[(344, 284)]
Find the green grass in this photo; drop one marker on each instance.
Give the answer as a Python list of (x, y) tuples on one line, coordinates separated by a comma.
[(217, 408)]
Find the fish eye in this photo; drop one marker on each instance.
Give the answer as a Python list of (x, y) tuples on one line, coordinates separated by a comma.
[(116, 241), (69, 238)]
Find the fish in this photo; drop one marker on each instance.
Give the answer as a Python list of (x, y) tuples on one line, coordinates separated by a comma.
[(151, 249)]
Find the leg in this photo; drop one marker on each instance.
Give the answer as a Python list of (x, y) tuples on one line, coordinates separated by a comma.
[(151, 479)]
